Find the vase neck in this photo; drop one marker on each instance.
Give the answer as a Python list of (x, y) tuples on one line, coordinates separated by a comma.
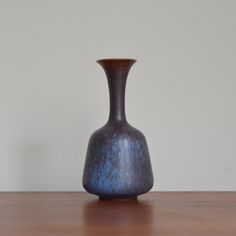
[(117, 71)]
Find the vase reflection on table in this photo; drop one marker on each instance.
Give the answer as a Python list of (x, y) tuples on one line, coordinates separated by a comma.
[(117, 162)]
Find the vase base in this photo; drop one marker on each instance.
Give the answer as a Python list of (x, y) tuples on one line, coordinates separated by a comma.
[(132, 198)]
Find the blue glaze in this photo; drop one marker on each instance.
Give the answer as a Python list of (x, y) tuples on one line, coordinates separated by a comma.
[(117, 162), (119, 165)]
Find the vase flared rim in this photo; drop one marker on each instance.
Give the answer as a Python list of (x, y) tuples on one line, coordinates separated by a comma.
[(117, 60)]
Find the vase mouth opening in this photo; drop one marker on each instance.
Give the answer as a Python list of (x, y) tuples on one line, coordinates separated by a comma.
[(117, 60)]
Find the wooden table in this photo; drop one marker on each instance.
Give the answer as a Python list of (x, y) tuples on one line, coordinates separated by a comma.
[(81, 214)]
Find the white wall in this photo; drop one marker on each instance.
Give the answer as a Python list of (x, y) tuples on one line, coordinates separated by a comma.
[(180, 93)]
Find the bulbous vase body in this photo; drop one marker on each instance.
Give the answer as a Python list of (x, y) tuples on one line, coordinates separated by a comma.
[(117, 163)]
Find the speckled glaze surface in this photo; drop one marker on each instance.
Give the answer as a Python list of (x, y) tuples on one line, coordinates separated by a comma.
[(117, 162)]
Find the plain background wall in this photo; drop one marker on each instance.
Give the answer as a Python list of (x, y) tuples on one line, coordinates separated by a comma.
[(180, 93)]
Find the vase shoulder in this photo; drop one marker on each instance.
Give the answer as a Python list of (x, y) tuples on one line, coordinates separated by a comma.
[(118, 131)]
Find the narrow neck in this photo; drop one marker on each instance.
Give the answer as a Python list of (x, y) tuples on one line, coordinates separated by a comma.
[(117, 71), (117, 83)]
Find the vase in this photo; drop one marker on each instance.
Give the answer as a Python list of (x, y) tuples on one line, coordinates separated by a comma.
[(117, 164)]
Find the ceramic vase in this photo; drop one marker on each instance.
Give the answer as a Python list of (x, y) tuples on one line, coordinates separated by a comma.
[(117, 164)]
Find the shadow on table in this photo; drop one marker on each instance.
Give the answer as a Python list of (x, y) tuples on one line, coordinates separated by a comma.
[(104, 217)]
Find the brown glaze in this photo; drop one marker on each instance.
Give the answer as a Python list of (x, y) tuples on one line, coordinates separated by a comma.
[(117, 72)]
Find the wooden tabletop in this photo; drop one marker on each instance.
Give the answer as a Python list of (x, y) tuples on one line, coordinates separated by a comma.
[(81, 214)]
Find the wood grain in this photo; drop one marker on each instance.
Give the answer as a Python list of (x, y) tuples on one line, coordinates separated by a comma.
[(81, 214)]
